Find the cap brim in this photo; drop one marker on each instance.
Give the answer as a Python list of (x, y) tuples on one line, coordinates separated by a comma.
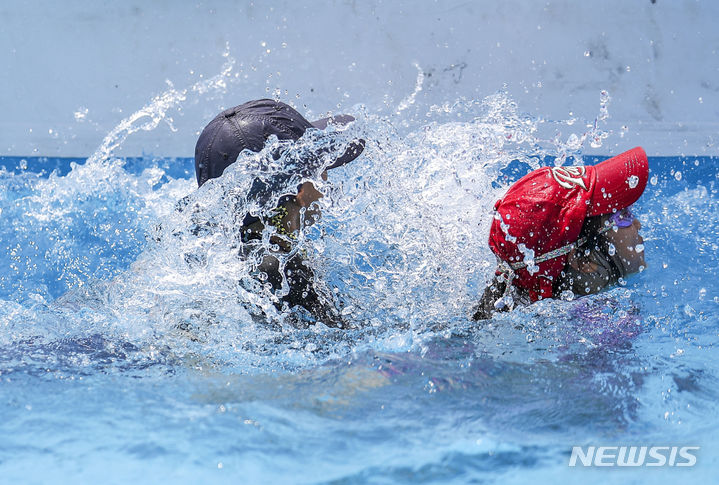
[(619, 182), (354, 149)]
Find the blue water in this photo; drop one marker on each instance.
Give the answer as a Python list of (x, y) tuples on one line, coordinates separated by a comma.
[(98, 270)]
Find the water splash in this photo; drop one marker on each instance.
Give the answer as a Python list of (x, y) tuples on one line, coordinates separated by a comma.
[(401, 245), (410, 100), (157, 110), (594, 135)]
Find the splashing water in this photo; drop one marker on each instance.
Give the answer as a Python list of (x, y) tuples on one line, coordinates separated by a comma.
[(120, 267), (401, 245), (410, 100), (399, 239)]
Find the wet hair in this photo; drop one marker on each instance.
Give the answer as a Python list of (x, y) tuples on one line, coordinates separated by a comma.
[(596, 250), (595, 241)]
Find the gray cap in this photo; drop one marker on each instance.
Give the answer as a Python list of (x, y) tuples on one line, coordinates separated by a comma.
[(248, 126)]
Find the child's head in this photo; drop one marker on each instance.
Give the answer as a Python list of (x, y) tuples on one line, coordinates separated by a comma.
[(557, 223), (248, 127)]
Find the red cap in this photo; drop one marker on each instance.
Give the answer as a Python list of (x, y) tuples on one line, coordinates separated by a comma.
[(545, 210)]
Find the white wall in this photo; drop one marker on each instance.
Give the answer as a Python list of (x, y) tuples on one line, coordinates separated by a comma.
[(72, 70)]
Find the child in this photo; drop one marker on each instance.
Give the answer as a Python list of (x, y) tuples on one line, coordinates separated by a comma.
[(566, 229), (247, 127)]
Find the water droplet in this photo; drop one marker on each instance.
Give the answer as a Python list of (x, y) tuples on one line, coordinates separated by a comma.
[(633, 181), (678, 175), (639, 248), (81, 113), (654, 180), (574, 142), (587, 53)]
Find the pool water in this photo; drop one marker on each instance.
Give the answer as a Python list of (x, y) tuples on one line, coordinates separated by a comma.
[(129, 352)]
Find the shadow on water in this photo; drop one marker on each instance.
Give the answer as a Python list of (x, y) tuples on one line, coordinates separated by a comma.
[(80, 356)]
